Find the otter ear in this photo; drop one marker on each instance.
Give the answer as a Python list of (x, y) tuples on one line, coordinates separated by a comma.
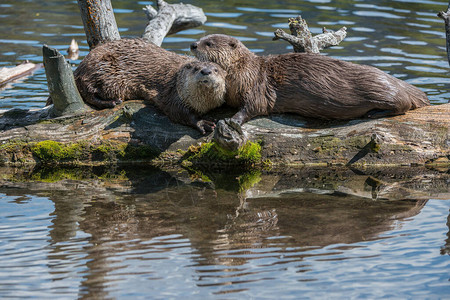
[(233, 45)]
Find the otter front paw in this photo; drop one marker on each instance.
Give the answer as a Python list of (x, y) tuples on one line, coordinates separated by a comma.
[(205, 126)]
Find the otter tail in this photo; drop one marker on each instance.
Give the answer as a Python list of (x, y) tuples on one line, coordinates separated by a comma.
[(417, 98)]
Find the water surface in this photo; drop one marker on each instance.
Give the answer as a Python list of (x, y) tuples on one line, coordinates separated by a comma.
[(147, 233)]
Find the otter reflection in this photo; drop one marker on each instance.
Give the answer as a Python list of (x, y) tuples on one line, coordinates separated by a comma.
[(129, 211)]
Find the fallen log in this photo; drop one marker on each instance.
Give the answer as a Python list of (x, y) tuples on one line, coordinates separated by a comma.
[(136, 132)]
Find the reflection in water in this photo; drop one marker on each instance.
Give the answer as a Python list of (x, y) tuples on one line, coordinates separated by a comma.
[(114, 229)]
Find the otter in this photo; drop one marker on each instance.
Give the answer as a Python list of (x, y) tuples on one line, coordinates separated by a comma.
[(310, 85), (183, 88)]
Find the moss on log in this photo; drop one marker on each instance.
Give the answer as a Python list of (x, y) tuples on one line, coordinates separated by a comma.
[(134, 131)]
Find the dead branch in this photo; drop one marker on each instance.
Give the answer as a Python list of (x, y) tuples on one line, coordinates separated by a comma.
[(303, 41), (169, 19)]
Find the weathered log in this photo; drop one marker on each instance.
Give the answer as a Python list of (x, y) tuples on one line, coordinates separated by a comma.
[(169, 19), (445, 15), (99, 21), (303, 41), (9, 74), (134, 131), (61, 84)]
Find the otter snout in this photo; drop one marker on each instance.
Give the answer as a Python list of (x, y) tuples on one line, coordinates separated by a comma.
[(206, 71), (194, 45)]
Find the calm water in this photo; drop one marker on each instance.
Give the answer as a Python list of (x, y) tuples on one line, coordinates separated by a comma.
[(140, 234), (130, 234)]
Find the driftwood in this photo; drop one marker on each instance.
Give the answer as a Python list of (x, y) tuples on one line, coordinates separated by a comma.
[(303, 41), (9, 74), (169, 19)]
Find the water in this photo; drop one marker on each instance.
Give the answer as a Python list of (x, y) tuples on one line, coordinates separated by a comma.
[(143, 233), (403, 38), (148, 233)]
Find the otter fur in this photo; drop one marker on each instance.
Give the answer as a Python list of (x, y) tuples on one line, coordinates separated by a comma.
[(311, 85), (181, 87)]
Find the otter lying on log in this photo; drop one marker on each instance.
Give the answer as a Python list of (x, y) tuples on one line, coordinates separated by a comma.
[(181, 87), (310, 85)]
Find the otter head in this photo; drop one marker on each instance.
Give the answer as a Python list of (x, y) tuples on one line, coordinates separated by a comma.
[(222, 49), (201, 85)]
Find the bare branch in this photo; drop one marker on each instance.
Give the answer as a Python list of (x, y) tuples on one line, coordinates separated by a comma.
[(169, 19), (303, 41)]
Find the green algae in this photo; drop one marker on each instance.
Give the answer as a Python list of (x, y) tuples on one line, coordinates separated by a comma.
[(49, 150), (212, 153), (81, 152)]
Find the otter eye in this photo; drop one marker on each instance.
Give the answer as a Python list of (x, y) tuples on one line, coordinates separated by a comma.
[(196, 69), (188, 67), (209, 44), (215, 70)]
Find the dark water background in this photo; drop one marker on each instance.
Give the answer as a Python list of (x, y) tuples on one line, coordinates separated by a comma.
[(145, 233)]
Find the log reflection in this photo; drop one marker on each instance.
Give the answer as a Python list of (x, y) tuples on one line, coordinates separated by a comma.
[(122, 210)]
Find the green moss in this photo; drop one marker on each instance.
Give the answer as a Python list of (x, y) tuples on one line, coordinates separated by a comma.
[(48, 151), (212, 153), (113, 151)]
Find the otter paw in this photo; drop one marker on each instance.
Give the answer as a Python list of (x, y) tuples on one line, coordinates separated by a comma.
[(205, 126)]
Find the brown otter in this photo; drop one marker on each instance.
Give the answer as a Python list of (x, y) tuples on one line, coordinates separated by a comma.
[(310, 85), (181, 87)]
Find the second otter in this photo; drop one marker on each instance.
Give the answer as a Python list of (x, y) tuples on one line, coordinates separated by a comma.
[(310, 85), (181, 87)]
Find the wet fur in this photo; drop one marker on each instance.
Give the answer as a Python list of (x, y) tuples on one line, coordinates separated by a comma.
[(310, 85), (135, 69)]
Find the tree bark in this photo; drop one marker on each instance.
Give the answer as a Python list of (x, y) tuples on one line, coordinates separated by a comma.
[(61, 84), (169, 19), (303, 41), (445, 15), (99, 21)]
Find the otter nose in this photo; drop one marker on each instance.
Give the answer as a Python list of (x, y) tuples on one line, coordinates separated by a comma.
[(194, 46), (206, 71)]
